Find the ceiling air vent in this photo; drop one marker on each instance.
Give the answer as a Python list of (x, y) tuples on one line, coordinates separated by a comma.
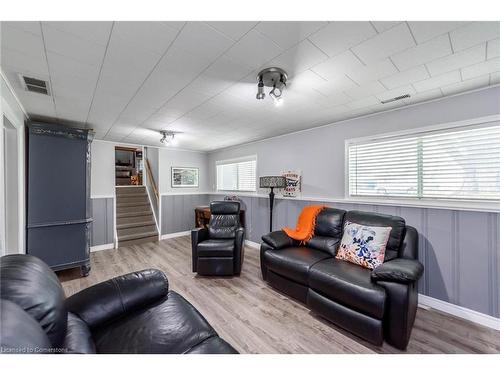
[(395, 99), (35, 85)]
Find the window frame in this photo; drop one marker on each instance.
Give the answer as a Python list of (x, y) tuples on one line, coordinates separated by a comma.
[(241, 159), (473, 123)]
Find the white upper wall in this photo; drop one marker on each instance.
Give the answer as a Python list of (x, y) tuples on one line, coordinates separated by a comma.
[(102, 169), (320, 153), (177, 158)]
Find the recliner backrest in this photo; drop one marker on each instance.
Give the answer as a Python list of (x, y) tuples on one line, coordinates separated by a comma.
[(328, 230), (29, 283), (224, 219), (397, 224)]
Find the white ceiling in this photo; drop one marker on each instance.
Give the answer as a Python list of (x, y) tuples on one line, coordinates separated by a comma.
[(127, 80)]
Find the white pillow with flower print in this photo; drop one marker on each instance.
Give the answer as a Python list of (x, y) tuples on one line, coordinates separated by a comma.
[(363, 245)]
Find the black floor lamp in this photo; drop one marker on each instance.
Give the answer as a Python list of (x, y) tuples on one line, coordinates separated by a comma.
[(272, 182)]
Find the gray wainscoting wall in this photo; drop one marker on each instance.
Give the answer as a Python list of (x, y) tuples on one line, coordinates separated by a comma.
[(459, 249), (177, 211), (103, 224)]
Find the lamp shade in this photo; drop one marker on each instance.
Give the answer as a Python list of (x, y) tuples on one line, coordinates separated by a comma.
[(272, 182)]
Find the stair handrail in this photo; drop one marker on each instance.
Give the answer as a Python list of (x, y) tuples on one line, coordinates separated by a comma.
[(151, 178)]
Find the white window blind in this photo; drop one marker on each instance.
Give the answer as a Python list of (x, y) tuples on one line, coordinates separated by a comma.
[(237, 175), (458, 163)]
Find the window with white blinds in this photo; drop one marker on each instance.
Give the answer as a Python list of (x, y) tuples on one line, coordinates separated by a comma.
[(237, 175), (458, 163)]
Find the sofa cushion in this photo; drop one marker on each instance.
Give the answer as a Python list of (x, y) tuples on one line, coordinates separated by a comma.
[(216, 248), (397, 224), (212, 345), (171, 326), (78, 337), (324, 243), (348, 284), (329, 223), (294, 262), (363, 245)]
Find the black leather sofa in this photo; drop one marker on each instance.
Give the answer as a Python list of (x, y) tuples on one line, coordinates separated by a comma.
[(133, 313), (375, 305), (218, 249)]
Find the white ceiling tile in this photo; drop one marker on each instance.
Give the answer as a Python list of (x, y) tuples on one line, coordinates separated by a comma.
[(385, 44), (175, 25), (72, 46), (367, 89), (22, 41), (340, 36), (381, 26), (424, 96), (470, 84), (474, 33), (493, 49), (334, 85), (489, 66), (376, 70), (396, 92), (233, 29), (338, 65), (18, 62), (201, 39), (62, 67), (362, 103), (423, 53), (438, 81), (299, 58), (29, 26), (153, 36), (254, 49), (416, 74), (92, 31), (335, 100), (288, 33), (37, 104), (426, 30), (458, 60)]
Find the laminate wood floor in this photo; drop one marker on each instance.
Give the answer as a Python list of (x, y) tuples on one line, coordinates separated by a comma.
[(255, 318)]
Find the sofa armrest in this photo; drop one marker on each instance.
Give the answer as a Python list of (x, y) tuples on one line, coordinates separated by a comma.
[(400, 270), (198, 235), (116, 297), (278, 240)]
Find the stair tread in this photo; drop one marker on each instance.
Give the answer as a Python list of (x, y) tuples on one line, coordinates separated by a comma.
[(132, 204), (133, 214), (137, 224), (135, 236)]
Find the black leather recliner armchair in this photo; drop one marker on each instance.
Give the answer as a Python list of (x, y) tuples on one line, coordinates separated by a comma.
[(373, 304), (218, 249), (133, 313)]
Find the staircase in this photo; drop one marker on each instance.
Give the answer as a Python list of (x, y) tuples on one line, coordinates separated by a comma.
[(135, 223)]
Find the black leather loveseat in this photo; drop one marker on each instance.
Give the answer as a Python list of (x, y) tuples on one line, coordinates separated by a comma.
[(134, 313), (375, 305)]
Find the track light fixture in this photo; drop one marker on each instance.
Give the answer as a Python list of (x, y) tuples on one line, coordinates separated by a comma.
[(275, 78), (167, 137)]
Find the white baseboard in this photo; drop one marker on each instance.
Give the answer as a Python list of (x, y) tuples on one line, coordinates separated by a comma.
[(173, 235), (106, 246), (461, 312), (254, 245)]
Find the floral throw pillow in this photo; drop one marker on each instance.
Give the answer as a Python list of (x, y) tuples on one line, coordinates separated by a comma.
[(363, 245)]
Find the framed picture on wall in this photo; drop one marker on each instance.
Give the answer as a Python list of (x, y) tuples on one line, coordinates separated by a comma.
[(183, 177)]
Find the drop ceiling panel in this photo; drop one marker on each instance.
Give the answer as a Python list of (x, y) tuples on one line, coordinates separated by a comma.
[(127, 80), (339, 36), (423, 53), (288, 34), (385, 44), (426, 30)]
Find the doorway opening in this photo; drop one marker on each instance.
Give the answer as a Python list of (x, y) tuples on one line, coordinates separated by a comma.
[(129, 166)]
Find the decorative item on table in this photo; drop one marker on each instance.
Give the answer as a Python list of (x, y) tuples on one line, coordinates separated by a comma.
[(184, 177), (292, 185), (272, 182), (232, 198)]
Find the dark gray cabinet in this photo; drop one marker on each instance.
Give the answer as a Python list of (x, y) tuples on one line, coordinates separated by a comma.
[(58, 195)]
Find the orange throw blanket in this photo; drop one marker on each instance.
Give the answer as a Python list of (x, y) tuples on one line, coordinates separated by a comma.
[(305, 224)]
